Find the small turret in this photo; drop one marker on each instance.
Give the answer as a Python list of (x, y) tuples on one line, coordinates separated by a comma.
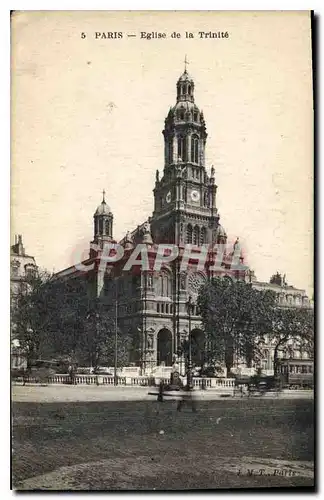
[(103, 223)]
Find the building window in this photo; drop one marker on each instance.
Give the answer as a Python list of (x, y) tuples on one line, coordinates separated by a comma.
[(170, 152), (196, 236), (15, 267), (189, 233), (182, 148), (203, 236), (195, 116), (167, 308), (165, 285), (162, 288), (30, 271), (189, 89), (158, 307), (194, 148)]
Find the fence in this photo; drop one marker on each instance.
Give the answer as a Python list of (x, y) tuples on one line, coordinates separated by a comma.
[(222, 384)]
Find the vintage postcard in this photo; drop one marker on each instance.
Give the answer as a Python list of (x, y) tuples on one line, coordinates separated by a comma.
[(162, 297)]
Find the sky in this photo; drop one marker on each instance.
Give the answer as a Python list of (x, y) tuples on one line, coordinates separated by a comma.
[(88, 112)]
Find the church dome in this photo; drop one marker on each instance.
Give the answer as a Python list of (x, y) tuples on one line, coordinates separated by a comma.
[(185, 77), (184, 111), (103, 208), (185, 105)]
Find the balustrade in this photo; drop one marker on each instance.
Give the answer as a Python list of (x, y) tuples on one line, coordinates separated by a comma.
[(198, 382)]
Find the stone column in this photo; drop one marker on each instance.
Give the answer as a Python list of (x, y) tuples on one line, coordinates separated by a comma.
[(189, 147), (175, 149)]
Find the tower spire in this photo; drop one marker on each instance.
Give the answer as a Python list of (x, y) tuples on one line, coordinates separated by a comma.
[(185, 63), (103, 196)]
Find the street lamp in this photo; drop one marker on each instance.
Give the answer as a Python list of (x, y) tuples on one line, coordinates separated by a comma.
[(190, 307), (116, 337)]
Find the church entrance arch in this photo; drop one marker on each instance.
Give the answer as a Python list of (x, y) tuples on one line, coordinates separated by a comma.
[(164, 347), (197, 347)]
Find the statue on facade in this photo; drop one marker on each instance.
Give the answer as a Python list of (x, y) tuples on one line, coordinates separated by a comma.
[(128, 240), (179, 170), (150, 280), (146, 227), (182, 281), (150, 342), (146, 231)]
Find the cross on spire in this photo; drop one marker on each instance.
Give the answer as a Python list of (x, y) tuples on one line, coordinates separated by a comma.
[(103, 196), (186, 62)]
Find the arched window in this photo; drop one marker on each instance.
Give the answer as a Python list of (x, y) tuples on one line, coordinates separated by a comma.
[(163, 285), (182, 148), (107, 227), (195, 116), (194, 148), (158, 286), (203, 235), (170, 152), (189, 233), (100, 226), (189, 89), (196, 235)]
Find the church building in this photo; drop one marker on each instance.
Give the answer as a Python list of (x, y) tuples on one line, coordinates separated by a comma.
[(157, 309)]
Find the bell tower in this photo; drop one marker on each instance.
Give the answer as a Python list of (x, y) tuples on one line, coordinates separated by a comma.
[(185, 197)]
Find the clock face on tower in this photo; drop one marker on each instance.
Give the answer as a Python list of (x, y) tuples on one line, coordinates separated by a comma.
[(195, 196), (168, 197)]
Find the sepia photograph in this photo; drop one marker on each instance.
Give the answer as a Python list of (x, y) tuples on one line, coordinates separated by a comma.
[(162, 251)]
